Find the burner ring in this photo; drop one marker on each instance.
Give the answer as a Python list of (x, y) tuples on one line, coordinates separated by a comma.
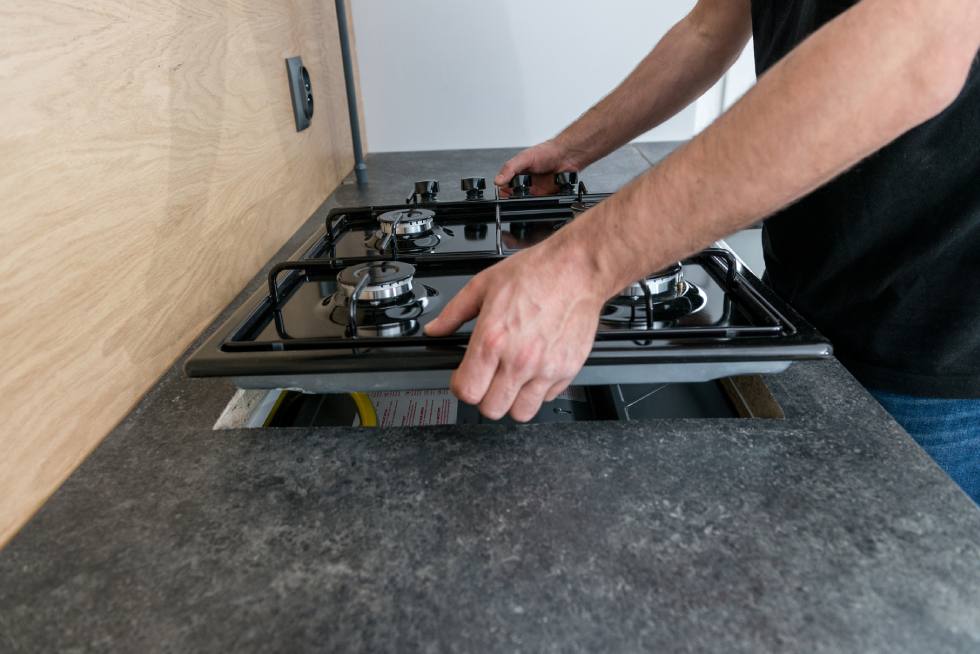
[(412, 244), (385, 280), (400, 316), (405, 222), (669, 282), (632, 312)]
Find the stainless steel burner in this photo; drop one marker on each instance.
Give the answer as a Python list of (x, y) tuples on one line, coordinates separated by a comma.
[(657, 311), (376, 281), (379, 299), (406, 222), (409, 244), (664, 284)]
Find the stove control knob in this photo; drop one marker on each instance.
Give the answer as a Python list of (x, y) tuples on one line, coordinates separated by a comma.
[(474, 187), (520, 185), (427, 190), (566, 182)]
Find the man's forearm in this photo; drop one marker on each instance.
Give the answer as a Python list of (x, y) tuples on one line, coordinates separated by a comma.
[(867, 77), (690, 58), (875, 72)]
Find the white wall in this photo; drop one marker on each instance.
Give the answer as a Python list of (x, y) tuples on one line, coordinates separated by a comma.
[(442, 74), (446, 74), (728, 90), (741, 76)]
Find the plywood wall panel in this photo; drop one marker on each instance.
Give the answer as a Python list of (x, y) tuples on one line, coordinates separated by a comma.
[(149, 165)]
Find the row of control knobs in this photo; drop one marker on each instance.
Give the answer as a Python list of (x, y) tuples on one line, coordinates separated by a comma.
[(428, 190), (520, 186)]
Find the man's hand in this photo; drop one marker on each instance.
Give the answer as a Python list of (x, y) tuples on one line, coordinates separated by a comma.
[(542, 161), (538, 312), (874, 72), (685, 63)]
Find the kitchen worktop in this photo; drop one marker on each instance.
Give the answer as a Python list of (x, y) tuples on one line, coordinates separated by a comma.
[(826, 531)]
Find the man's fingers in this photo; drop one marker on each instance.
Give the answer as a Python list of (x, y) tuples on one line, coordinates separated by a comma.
[(512, 167), (557, 389), (529, 399), (501, 394), (543, 185), (472, 379), (465, 306)]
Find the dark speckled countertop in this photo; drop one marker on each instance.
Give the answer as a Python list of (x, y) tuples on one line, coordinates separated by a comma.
[(827, 531)]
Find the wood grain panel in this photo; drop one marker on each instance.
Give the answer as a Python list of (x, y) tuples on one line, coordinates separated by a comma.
[(149, 165)]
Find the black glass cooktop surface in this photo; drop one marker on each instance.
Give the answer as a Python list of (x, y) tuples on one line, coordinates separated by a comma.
[(356, 297)]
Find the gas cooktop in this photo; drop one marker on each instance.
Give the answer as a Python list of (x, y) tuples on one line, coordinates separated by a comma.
[(347, 312)]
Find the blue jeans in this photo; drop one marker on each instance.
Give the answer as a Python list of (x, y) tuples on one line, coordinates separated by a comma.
[(948, 430)]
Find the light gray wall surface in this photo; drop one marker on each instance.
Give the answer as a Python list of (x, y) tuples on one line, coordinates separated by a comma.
[(445, 74)]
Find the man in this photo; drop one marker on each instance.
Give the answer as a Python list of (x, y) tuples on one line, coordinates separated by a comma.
[(860, 143)]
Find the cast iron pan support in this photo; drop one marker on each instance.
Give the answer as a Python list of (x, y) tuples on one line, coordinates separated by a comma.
[(352, 306)]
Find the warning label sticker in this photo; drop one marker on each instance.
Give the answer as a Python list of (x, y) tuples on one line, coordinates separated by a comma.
[(414, 408)]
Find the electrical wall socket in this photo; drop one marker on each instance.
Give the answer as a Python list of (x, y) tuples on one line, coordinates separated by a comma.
[(301, 92)]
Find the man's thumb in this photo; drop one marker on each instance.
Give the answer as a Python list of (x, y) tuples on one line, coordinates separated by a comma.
[(510, 169), (462, 308)]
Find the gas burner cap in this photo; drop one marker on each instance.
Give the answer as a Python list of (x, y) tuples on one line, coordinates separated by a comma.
[(405, 222), (669, 282), (385, 280)]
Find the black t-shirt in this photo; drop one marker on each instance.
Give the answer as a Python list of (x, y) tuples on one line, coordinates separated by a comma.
[(885, 259)]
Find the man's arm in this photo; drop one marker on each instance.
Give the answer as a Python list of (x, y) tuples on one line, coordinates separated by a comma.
[(691, 57), (875, 72)]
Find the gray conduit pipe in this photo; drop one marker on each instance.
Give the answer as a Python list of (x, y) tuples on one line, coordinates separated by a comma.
[(360, 167)]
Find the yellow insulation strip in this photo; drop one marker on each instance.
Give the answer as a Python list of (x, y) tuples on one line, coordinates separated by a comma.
[(275, 407), (365, 410)]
